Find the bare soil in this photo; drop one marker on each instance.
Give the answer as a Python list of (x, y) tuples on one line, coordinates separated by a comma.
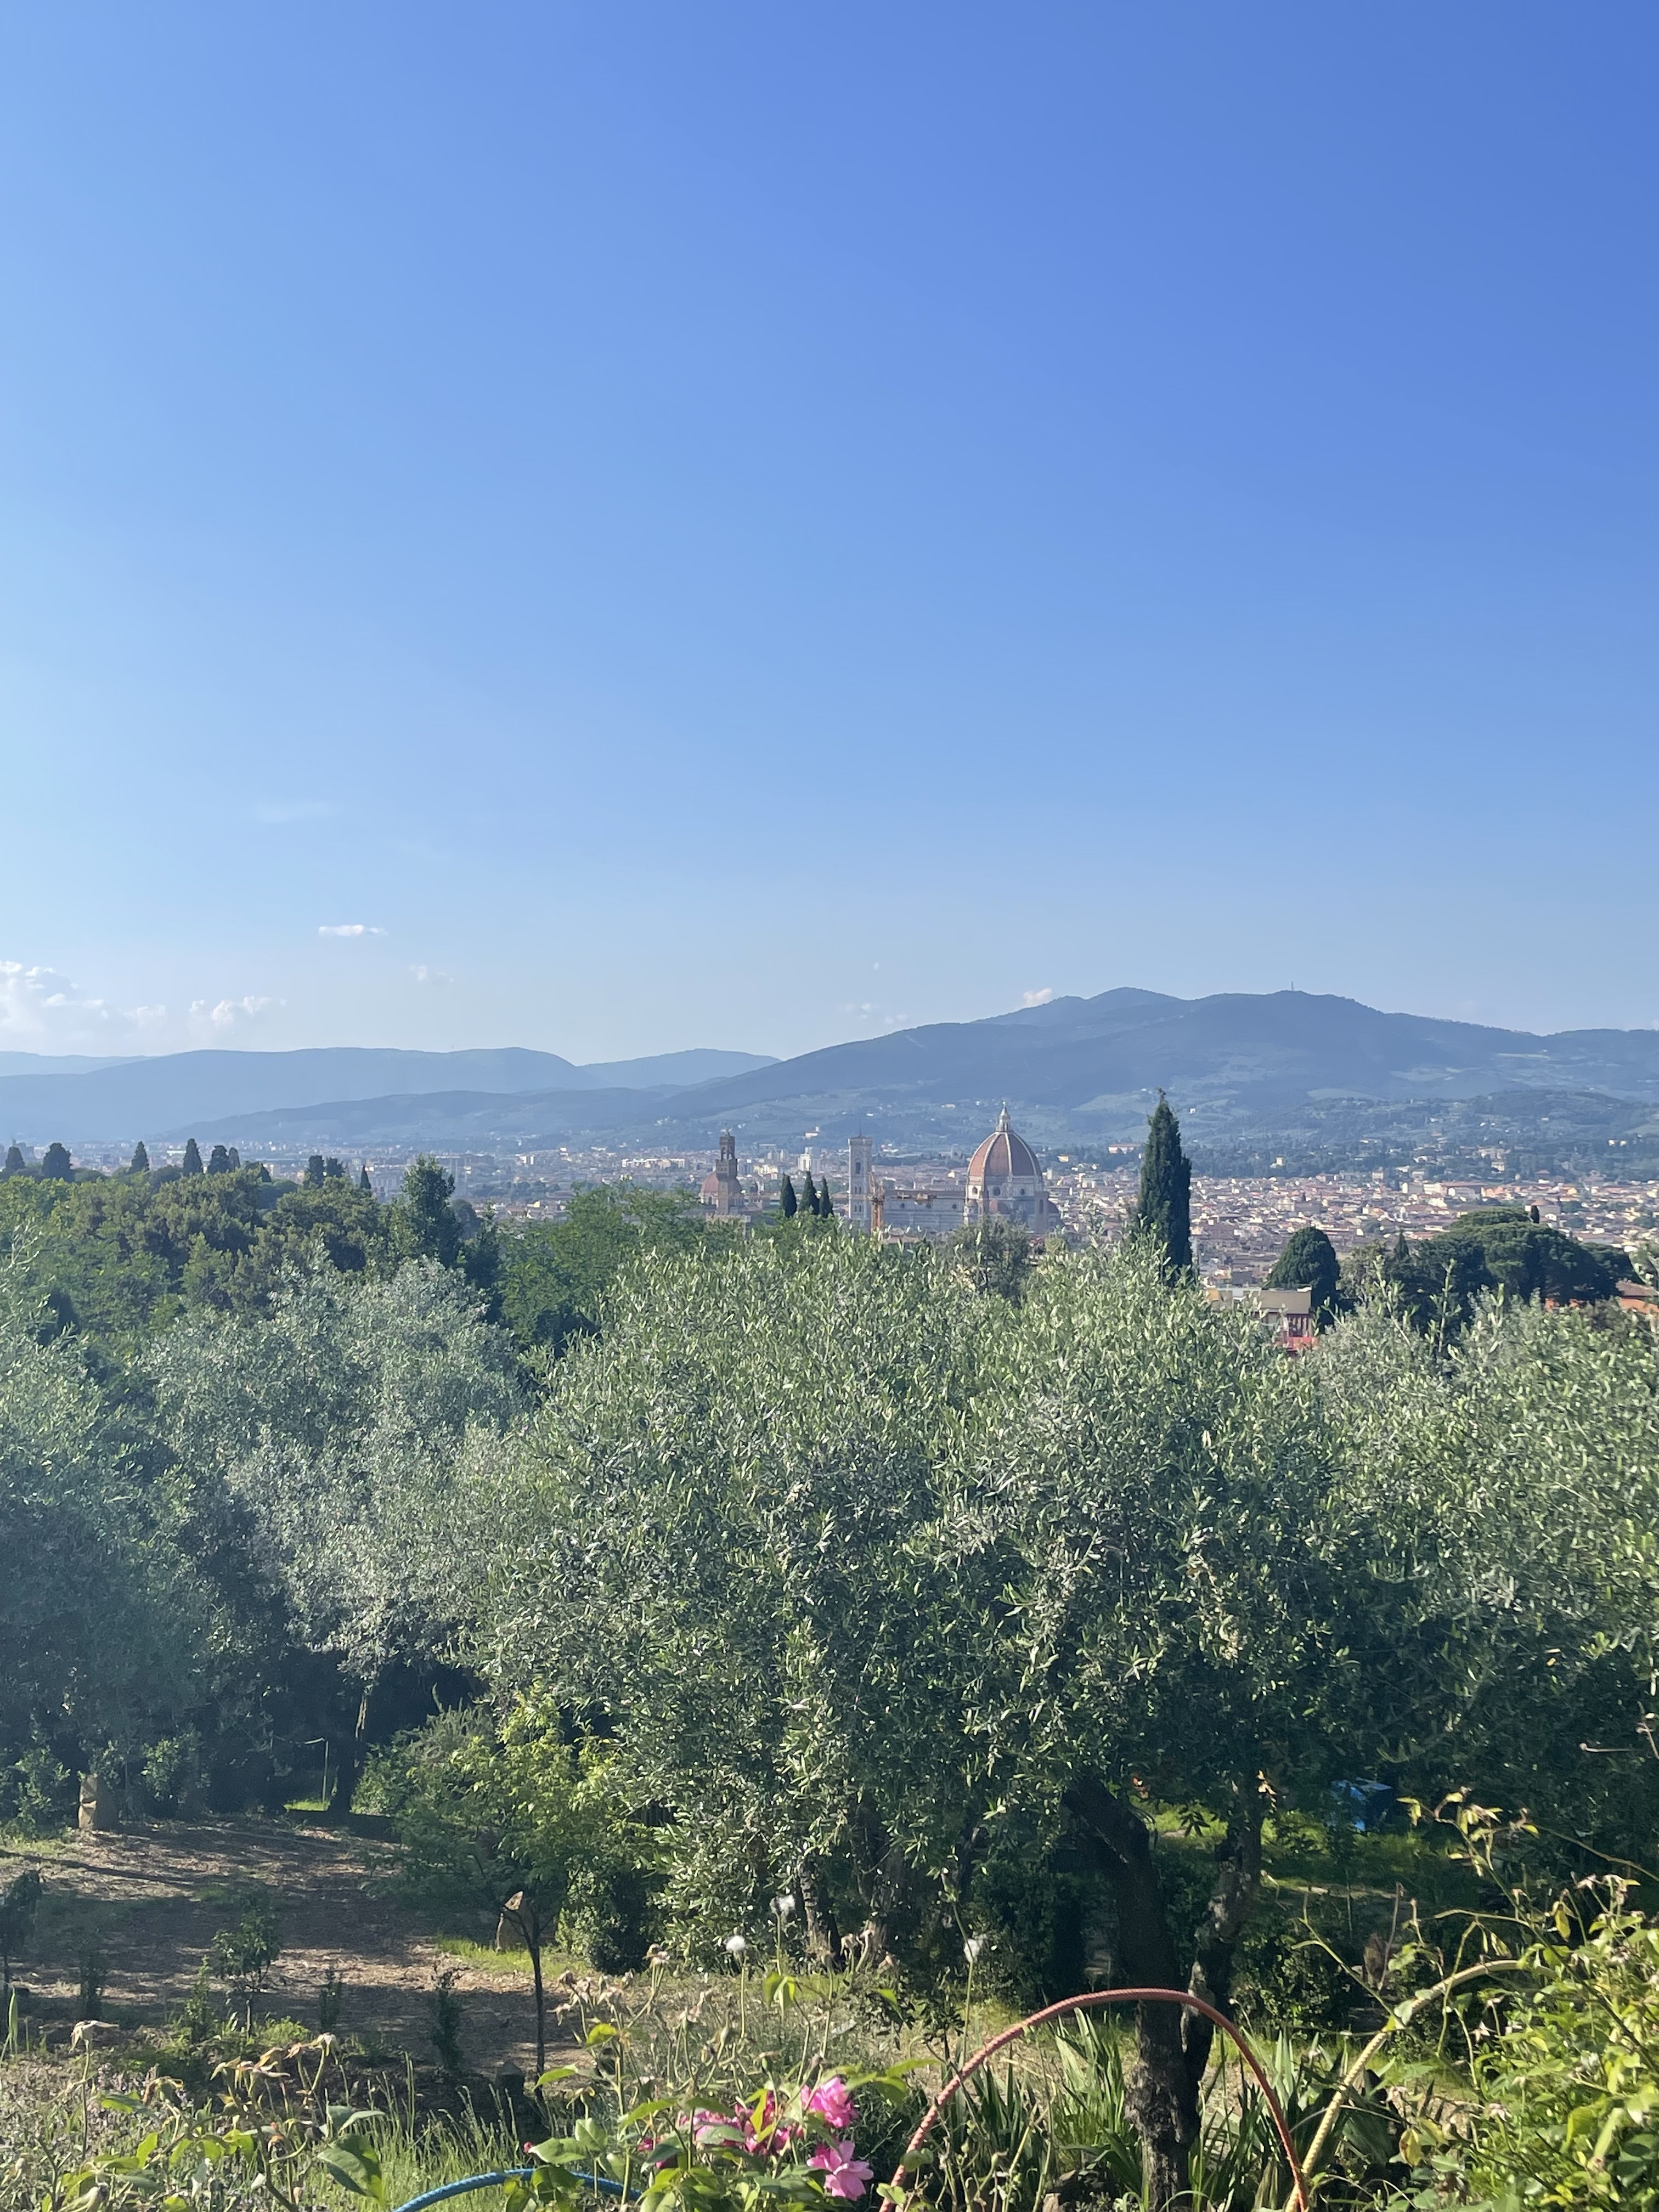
[(151, 1898)]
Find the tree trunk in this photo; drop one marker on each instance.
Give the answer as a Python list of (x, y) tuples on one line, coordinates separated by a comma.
[(1232, 1901), (822, 1934), (884, 1879), (1173, 2046), (1162, 2094), (351, 1761)]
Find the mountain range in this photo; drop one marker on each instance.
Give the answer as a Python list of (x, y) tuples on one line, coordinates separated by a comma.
[(113, 1100), (1085, 1067)]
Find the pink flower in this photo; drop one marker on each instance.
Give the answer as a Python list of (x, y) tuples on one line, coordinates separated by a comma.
[(843, 2174), (832, 2100), (768, 2135)]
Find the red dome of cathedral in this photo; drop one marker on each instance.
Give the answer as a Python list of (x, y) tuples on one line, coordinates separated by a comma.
[(1003, 1154)]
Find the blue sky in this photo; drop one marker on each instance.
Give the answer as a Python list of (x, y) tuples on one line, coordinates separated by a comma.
[(750, 525)]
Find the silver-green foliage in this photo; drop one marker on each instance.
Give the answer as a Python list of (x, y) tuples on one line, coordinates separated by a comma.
[(345, 1423), (853, 1559), (97, 1612), (1505, 1501), (719, 1540)]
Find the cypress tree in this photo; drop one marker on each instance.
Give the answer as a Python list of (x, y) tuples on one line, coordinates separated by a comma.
[(428, 1228), (233, 1157), (192, 1158), (821, 1205), (363, 1183), (218, 1161), (15, 1163), (56, 1166), (139, 1163), (1164, 1208), (1309, 1262), (788, 1204), (332, 1171), (314, 1170)]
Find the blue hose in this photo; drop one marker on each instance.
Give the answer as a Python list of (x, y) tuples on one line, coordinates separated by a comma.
[(602, 2182), (463, 2188)]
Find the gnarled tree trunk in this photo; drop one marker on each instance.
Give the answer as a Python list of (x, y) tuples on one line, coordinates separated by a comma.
[(1172, 2047)]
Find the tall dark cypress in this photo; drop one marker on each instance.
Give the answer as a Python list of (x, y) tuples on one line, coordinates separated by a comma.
[(139, 1163), (787, 1202), (1164, 1207), (363, 1183), (218, 1161), (192, 1158), (15, 1163)]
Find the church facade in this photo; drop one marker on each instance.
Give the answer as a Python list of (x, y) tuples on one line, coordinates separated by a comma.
[(1006, 1184)]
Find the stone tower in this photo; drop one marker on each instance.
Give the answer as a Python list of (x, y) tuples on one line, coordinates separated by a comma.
[(729, 1192), (859, 1193)]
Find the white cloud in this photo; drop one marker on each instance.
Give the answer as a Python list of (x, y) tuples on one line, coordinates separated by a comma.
[(1037, 998), (422, 974), (349, 929), (41, 1010), (227, 1012)]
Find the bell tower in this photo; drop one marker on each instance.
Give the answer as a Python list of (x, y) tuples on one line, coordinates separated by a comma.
[(859, 1216), (730, 1198)]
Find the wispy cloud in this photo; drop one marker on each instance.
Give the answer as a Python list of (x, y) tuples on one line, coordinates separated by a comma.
[(277, 812), (349, 929), (1037, 998), (422, 974)]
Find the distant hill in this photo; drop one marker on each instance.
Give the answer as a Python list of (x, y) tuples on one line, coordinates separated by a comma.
[(45, 1063), (129, 1098), (1086, 1068), (1078, 1056), (467, 1121)]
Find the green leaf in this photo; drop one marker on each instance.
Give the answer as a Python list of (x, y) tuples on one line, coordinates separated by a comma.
[(356, 2168)]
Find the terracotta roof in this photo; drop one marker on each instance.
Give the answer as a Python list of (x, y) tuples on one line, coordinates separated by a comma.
[(1003, 1154)]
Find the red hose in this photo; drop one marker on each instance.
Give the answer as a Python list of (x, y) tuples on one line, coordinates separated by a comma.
[(1106, 1998)]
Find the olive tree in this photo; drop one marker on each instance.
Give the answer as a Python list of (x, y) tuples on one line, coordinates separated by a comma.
[(719, 1548), (1506, 1498), (1152, 1478), (345, 1423), (101, 1612)]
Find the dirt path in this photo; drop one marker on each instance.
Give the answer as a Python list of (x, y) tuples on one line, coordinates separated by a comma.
[(152, 1899)]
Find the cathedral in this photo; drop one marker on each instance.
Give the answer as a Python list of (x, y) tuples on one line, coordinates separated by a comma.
[(1004, 1182)]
